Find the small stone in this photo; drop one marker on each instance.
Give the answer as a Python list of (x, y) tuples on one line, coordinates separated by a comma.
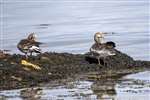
[(49, 73)]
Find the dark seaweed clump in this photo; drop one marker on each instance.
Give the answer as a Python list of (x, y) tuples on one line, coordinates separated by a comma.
[(56, 66)]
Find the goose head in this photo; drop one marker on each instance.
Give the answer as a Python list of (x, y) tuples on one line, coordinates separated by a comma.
[(98, 37), (32, 37)]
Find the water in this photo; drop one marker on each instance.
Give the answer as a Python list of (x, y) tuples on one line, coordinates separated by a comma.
[(132, 87), (69, 25)]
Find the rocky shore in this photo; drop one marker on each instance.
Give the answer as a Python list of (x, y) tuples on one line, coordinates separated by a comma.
[(18, 72)]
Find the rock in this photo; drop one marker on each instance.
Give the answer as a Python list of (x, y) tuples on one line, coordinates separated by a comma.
[(57, 66)]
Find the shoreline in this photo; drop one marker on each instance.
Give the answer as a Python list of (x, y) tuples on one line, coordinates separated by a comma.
[(51, 67)]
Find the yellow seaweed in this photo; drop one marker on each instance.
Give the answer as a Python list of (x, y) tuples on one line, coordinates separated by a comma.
[(26, 63)]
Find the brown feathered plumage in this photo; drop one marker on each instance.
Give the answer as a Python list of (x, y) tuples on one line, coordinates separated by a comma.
[(29, 45)]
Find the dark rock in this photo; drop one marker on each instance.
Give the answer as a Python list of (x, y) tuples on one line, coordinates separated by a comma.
[(56, 66)]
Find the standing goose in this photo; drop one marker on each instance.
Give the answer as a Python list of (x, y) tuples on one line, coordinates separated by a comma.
[(29, 45), (100, 49)]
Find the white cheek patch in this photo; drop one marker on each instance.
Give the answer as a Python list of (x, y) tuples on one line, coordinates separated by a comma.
[(99, 40)]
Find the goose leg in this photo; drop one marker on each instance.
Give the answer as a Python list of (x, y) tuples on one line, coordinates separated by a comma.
[(26, 55), (99, 61), (104, 61), (105, 64), (30, 53)]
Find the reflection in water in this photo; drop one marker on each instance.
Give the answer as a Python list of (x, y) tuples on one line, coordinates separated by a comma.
[(31, 93), (80, 90), (105, 90), (127, 88)]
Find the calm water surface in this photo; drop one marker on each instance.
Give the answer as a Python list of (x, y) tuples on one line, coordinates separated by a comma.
[(69, 26), (132, 87)]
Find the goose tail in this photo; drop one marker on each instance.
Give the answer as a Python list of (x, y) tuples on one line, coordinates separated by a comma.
[(110, 44)]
